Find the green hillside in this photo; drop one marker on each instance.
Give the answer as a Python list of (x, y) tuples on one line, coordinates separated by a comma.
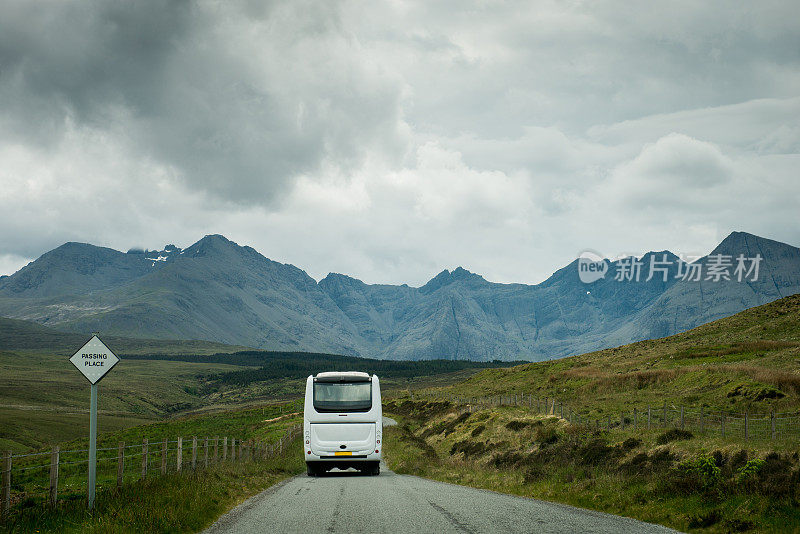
[(27, 335), (746, 362)]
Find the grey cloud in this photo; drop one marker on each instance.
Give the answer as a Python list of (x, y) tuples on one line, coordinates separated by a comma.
[(391, 140), (557, 64), (239, 100)]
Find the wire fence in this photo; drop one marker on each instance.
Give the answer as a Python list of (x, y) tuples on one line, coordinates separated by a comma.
[(743, 426), (26, 476)]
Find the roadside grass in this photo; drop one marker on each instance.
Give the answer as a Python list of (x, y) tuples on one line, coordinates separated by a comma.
[(702, 484), (266, 424), (186, 502)]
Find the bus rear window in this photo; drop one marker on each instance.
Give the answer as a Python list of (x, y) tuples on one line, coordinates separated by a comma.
[(342, 396)]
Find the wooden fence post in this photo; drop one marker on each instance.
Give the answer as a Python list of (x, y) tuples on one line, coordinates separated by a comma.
[(179, 459), (54, 476), (241, 449), (635, 420), (216, 446), (546, 406), (681, 417), (233, 449), (224, 448), (702, 422), (6, 483), (745, 427), (194, 453), (164, 449), (772, 424), (561, 410), (144, 458), (648, 418), (205, 452), (120, 463)]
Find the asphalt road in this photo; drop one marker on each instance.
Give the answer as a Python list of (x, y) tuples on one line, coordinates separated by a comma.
[(345, 501)]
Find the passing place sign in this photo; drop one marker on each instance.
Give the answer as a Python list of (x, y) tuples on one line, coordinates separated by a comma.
[(94, 360)]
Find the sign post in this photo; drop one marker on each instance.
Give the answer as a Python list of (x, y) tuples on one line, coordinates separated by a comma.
[(94, 360)]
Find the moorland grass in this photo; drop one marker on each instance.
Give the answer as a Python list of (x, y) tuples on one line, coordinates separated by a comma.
[(688, 482)]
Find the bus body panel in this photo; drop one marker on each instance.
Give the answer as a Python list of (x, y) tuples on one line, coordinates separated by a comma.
[(342, 439), (330, 438)]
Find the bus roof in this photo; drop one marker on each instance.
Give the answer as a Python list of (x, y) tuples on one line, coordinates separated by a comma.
[(342, 376)]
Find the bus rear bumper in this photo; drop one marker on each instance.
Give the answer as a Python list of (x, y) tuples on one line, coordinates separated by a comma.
[(357, 456)]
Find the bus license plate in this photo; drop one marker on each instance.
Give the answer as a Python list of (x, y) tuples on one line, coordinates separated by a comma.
[(345, 453)]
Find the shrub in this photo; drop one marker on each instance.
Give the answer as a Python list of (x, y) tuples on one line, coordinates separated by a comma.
[(738, 525), (596, 452), (706, 469), (706, 520), (662, 458), (477, 430), (516, 425), (749, 471), (468, 447), (673, 434), (636, 465), (631, 443), (546, 435), (737, 461), (507, 459), (776, 476), (532, 474)]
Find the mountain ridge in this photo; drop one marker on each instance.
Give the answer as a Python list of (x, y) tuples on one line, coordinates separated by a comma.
[(220, 291)]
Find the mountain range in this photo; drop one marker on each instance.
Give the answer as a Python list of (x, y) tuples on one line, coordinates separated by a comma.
[(219, 291)]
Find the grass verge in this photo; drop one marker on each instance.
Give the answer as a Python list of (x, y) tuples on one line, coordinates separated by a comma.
[(186, 502), (681, 481)]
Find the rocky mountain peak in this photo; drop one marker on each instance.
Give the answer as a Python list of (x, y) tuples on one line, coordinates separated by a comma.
[(444, 278), (750, 245)]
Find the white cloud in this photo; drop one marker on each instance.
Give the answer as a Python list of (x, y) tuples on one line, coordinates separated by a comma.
[(676, 171)]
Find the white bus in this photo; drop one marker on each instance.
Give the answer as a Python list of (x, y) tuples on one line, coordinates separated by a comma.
[(342, 422)]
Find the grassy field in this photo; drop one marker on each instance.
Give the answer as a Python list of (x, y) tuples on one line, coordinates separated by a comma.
[(691, 483), (174, 502), (44, 400)]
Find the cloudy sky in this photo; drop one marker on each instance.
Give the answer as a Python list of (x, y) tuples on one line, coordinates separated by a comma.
[(390, 140)]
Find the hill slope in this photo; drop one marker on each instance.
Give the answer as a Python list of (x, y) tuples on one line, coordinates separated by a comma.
[(747, 362)]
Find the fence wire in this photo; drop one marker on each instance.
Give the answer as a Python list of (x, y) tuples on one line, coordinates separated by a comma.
[(742, 426), (22, 478)]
